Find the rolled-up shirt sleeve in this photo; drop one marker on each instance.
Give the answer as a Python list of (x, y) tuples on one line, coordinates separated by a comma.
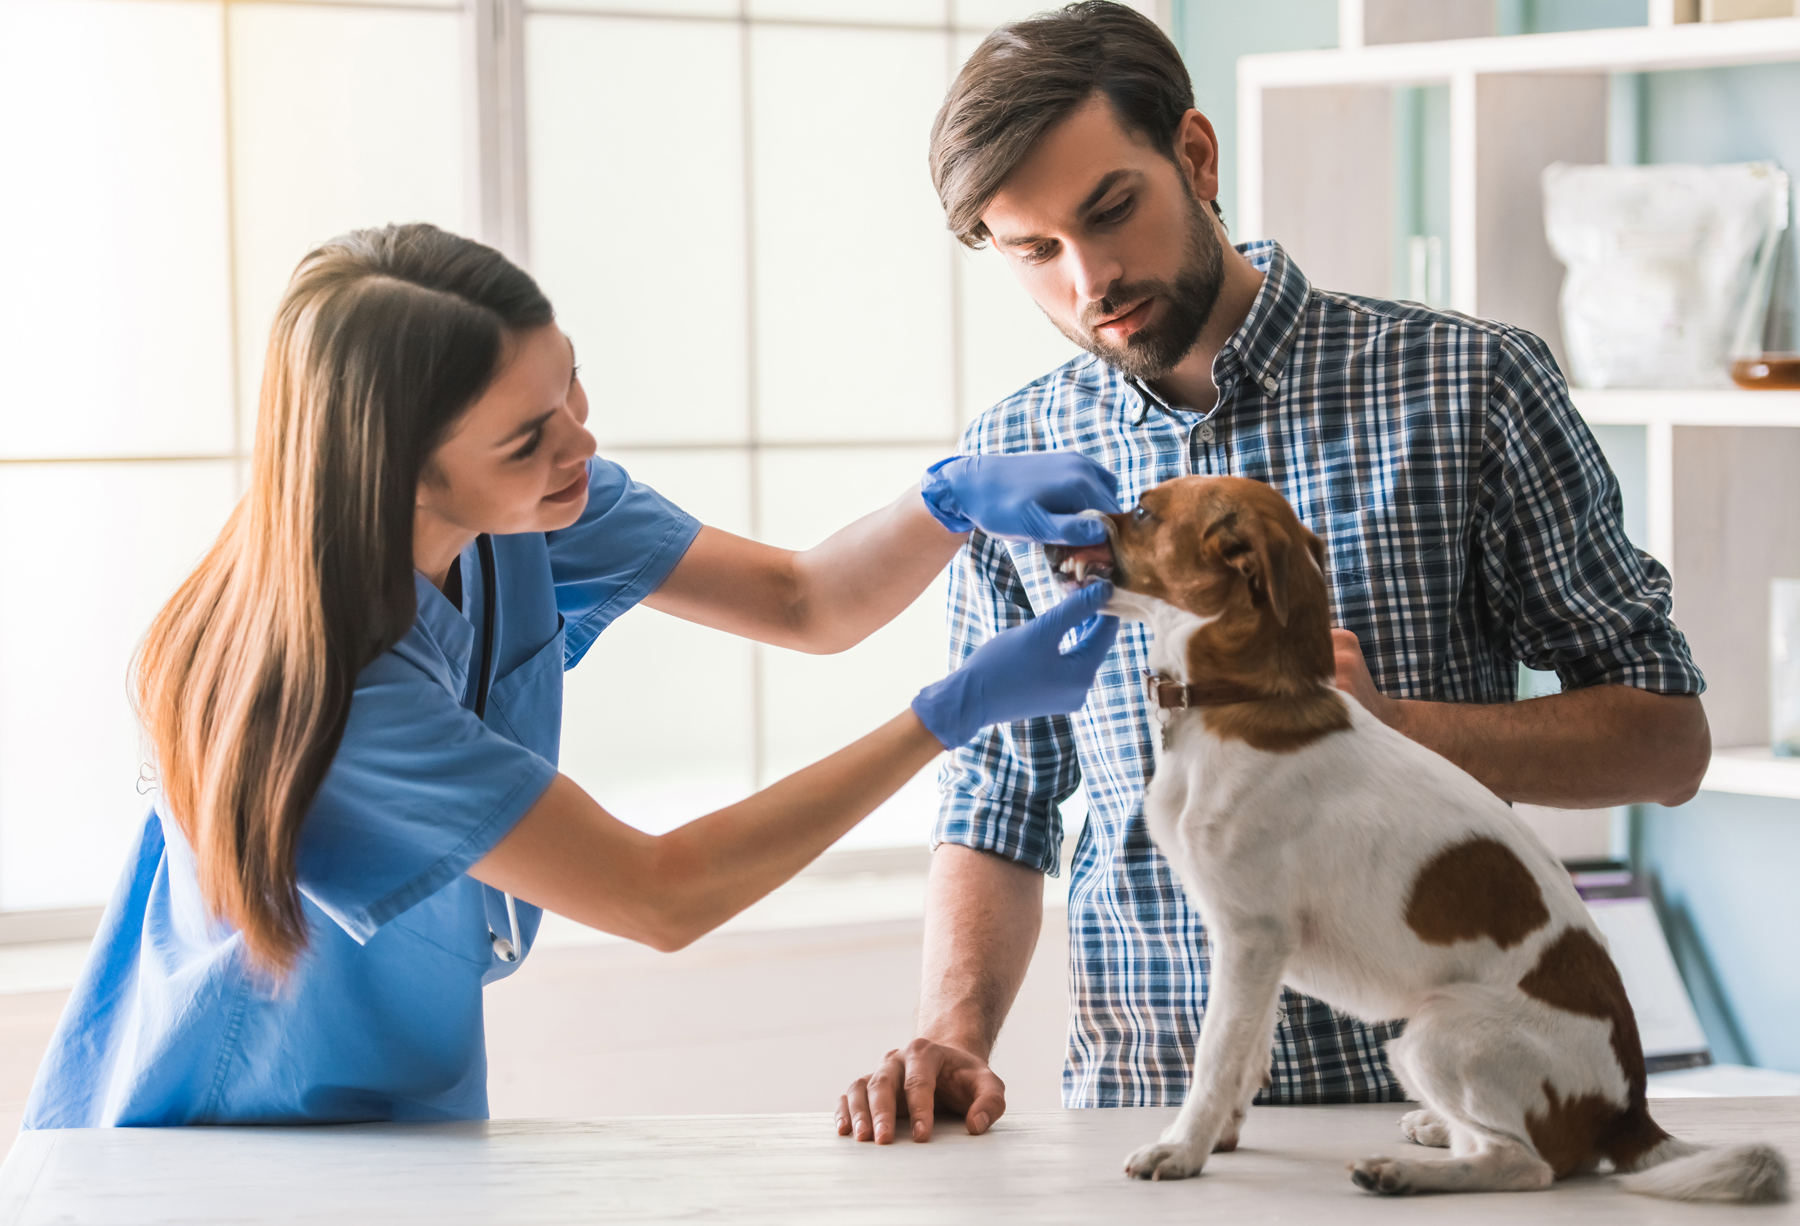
[(1568, 590), (1001, 790)]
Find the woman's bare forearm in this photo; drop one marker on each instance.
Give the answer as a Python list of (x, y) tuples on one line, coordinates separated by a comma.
[(820, 600), (569, 855)]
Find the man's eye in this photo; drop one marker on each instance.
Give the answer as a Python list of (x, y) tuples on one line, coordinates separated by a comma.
[(1118, 212)]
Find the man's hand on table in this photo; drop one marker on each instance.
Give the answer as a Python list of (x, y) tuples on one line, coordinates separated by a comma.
[(918, 1081)]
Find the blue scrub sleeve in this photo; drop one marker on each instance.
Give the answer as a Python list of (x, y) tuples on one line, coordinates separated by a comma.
[(419, 791), (626, 542)]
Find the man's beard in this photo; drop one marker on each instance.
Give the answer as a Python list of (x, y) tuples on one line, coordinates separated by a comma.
[(1154, 350)]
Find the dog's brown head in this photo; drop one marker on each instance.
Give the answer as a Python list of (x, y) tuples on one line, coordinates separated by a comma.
[(1212, 545), (1233, 552)]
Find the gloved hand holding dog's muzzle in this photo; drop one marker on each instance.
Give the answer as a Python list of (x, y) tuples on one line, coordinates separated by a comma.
[(1034, 496), (1021, 673)]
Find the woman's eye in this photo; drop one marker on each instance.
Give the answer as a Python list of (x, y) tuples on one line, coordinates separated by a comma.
[(531, 445)]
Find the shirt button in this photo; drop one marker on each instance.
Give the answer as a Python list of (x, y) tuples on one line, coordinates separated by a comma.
[(1207, 433), (1270, 384)]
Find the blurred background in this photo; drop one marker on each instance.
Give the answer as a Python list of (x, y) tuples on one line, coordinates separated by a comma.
[(728, 202)]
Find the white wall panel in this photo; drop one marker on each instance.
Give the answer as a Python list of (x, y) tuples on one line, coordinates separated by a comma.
[(115, 321), (637, 219), (341, 118), (814, 705), (904, 12), (108, 544), (986, 14), (673, 8), (1006, 340), (852, 258), (657, 719)]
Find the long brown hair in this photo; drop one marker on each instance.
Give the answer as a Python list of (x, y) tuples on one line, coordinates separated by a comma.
[(382, 341)]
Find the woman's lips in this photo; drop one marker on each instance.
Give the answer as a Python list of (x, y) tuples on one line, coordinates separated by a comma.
[(570, 492)]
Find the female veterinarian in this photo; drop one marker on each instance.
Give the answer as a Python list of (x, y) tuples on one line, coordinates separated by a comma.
[(354, 704)]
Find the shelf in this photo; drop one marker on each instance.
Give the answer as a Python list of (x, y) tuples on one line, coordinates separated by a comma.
[(1753, 772), (1636, 49), (1686, 407)]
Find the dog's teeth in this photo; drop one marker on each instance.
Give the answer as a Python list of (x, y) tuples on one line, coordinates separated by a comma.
[(1081, 572)]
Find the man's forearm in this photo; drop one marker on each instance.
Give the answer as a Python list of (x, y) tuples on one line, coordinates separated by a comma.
[(982, 916), (1584, 749)]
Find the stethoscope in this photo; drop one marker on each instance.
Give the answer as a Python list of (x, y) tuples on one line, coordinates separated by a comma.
[(505, 950)]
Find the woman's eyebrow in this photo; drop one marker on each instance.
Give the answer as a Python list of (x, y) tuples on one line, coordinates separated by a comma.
[(526, 428)]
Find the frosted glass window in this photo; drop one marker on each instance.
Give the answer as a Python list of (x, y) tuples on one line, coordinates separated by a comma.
[(634, 737), (77, 593), (815, 705), (852, 258), (903, 12), (673, 8), (341, 118), (637, 219), (1006, 340), (115, 322), (986, 14)]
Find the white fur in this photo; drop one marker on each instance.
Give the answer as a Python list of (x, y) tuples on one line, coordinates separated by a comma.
[(1301, 865)]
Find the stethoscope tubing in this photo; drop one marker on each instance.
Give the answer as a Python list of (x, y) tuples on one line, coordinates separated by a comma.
[(505, 950)]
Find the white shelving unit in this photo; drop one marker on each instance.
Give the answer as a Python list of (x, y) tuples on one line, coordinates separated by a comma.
[(1316, 171)]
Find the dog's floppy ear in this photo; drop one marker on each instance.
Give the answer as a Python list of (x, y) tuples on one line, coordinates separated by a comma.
[(1315, 546), (1260, 554)]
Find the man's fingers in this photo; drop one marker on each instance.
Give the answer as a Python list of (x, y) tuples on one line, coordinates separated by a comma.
[(884, 1097), (923, 1061), (862, 1125), (989, 1104)]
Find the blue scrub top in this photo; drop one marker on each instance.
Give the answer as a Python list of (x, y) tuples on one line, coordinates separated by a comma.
[(381, 1018)]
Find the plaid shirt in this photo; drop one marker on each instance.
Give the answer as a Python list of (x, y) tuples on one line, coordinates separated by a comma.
[(1472, 525)]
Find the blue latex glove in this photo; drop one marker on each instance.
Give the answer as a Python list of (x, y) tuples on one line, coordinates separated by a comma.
[(1020, 674), (1034, 496)]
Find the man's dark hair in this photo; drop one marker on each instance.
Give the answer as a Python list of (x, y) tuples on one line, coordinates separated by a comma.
[(1029, 76)]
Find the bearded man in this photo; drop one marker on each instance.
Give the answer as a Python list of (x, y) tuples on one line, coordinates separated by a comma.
[(1471, 520)]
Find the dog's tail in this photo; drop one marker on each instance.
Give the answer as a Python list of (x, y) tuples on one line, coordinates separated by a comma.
[(1676, 1170)]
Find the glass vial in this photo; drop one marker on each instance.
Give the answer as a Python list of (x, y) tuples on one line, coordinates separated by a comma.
[(1765, 349)]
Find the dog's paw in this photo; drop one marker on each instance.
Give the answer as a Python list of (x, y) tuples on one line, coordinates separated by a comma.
[(1381, 1175), (1165, 1160), (1425, 1128)]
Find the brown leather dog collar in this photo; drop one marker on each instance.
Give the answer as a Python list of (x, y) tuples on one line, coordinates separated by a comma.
[(1168, 694)]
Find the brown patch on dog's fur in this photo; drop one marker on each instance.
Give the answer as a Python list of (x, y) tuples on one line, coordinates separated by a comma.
[(1233, 548), (1476, 888), (1567, 1134), (1575, 974)]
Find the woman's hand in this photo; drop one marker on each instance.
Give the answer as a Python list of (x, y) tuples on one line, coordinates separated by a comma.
[(1021, 673), (1034, 496)]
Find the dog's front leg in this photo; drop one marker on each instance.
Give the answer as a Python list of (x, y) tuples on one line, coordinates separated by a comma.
[(1248, 959)]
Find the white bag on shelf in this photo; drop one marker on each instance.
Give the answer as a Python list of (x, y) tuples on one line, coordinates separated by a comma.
[(1658, 261)]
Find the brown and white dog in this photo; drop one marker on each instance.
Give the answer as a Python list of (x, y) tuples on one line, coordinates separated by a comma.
[(1327, 851)]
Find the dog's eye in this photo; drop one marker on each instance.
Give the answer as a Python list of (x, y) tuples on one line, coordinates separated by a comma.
[(1142, 514)]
